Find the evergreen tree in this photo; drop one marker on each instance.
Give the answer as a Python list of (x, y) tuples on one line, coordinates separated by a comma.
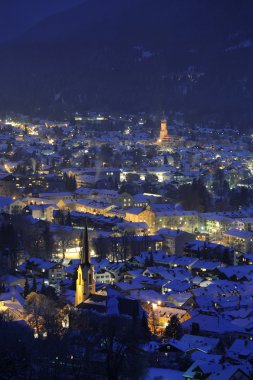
[(151, 259), (60, 217), (195, 196), (74, 278), (110, 182), (51, 292), (73, 183), (86, 161), (72, 121), (226, 256), (204, 250), (2, 287), (116, 184), (48, 242), (9, 147), (70, 182), (173, 328), (43, 288), (152, 320), (34, 285), (68, 219), (146, 262), (26, 288), (144, 325)]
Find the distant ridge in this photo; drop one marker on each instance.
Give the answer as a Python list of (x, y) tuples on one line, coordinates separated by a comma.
[(193, 56)]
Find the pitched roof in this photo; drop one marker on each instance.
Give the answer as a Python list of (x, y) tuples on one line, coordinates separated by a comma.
[(242, 234)]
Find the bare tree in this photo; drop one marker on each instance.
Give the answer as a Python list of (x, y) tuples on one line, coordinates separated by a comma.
[(44, 315), (65, 239)]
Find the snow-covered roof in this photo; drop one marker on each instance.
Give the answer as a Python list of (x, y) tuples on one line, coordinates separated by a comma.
[(242, 234)]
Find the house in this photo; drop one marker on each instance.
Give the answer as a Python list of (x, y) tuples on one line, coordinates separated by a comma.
[(140, 200), (180, 299), (213, 371), (49, 270), (236, 273), (190, 343), (5, 203), (163, 315), (175, 240), (8, 185), (104, 276), (176, 219), (16, 206), (182, 262), (215, 223), (205, 268), (43, 212), (157, 272), (229, 373), (57, 196), (125, 200), (13, 308), (138, 261), (134, 228), (213, 326), (140, 215), (210, 251), (131, 274), (119, 304), (241, 349), (93, 206), (246, 259), (116, 270), (241, 240), (176, 286)]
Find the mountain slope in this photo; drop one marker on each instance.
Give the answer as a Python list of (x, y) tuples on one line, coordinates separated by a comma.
[(18, 16), (135, 55)]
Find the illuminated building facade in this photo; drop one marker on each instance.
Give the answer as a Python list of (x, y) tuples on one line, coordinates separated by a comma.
[(164, 136)]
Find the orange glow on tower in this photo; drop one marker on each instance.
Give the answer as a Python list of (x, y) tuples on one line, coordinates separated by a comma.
[(164, 136)]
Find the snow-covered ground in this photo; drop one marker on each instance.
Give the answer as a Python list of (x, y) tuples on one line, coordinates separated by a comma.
[(164, 374)]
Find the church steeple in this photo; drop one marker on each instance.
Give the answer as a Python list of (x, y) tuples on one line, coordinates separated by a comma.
[(164, 136), (85, 253), (85, 283)]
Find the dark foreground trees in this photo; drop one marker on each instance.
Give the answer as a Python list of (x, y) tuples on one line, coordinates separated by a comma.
[(94, 347), (115, 341)]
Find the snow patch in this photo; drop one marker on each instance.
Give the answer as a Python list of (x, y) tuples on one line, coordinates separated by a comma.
[(57, 96), (242, 45)]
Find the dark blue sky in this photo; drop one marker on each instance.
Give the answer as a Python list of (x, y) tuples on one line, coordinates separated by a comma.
[(19, 15)]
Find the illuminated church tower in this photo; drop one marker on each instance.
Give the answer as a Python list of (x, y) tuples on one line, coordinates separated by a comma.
[(85, 282), (164, 136)]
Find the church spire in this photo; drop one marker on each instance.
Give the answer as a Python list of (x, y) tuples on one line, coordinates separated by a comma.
[(85, 254)]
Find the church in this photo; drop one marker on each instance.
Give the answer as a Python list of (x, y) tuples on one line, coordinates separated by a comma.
[(164, 136), (107, 300), (85, 282)]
